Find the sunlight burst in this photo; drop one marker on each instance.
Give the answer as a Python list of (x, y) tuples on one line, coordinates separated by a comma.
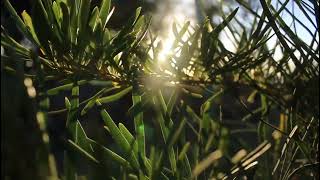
[(166, 49)]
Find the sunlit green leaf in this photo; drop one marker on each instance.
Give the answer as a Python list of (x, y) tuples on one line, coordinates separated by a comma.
[(119, 138), (116, 96)]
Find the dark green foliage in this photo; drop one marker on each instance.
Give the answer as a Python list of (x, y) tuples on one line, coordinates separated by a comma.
[(218, 114)]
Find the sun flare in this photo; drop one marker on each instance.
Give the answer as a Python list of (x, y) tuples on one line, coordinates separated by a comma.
[(166, 50)]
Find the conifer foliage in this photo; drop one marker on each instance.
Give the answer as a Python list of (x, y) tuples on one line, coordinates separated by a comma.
[(174, 138)]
